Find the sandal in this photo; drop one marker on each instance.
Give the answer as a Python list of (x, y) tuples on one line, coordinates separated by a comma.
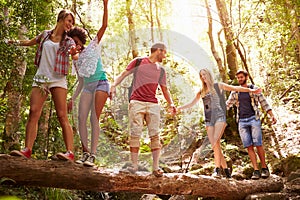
[(129, 170), (158, 173)]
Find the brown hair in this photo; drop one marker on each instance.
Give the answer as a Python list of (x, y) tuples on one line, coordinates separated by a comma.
[(242, 72), (158, 45), (78, 32), (63, 14)]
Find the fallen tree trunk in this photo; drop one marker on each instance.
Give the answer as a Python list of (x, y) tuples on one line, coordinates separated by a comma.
[(68, 175)]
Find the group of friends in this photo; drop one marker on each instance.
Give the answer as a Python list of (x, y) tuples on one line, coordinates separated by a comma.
[(52, 61)]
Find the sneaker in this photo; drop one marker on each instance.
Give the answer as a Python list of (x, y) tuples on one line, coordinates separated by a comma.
[(265, 172), (90, 161), (66, 156), (26, 153), (84, 157), (255, 175), (227, 173), (217, 173)]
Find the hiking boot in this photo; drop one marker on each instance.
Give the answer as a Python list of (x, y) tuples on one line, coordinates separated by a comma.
[(66, 156), (90, 161), (217, 173), (265, 172), (227, 173), (84, 157), (255, 175), (26, 153)]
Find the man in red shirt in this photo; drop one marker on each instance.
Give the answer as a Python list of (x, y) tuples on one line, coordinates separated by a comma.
[(143, 104)]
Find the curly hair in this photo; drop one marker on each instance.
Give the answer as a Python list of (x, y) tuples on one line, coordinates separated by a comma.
[(78, 32)]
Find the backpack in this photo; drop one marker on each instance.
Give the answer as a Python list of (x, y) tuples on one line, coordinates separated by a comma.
[(221, 97), (137, 63)]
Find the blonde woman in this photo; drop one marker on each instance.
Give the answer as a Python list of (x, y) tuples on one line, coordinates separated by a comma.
[(215, 116)]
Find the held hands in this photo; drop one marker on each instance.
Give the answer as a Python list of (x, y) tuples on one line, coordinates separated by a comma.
[(73, 50), (172, 109)]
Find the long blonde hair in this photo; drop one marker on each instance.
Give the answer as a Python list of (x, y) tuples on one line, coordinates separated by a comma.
[(210, 82)]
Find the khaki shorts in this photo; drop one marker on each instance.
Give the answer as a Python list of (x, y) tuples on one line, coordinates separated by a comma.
[(139, 112)]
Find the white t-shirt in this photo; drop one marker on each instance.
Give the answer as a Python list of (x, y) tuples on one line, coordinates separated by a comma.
[(45, 72)]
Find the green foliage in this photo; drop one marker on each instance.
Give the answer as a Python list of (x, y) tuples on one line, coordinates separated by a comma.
[(34, 193)]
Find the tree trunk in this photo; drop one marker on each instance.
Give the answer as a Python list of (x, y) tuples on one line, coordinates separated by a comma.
[(294, 27), (229, 37), (151, 21), (68, 175), (158, 20), (131, 28), (13, 91), (222, 69)]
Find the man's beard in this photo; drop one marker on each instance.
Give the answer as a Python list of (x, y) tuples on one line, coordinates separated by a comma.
[(244, 82)]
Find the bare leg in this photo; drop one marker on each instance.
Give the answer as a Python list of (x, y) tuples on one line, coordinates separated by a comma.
[(155, 157), (85, 105), (261, 155), (98, 104), (37, 99), (59, 96), (214, 134), (252, 156), (134, 153)]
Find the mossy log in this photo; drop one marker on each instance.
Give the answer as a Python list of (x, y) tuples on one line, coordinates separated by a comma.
[(68, 175)]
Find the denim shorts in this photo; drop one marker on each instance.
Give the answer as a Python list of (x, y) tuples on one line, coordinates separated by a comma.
[(250, 131), (101, 85), (213, 122)]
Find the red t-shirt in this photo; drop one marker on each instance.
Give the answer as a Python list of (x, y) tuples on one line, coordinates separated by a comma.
[(146, 80)]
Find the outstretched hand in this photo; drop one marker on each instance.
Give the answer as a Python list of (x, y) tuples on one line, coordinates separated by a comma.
[(172, 110), (256, 91)]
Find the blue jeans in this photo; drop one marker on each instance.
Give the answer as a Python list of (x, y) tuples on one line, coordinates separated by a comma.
[(250, 131)]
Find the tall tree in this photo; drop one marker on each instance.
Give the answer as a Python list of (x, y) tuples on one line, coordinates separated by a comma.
[(131, 28), (229, 37), (221, 67)]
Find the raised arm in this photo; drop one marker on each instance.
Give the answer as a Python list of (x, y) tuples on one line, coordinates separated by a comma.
[(192, 103), (104, 21)]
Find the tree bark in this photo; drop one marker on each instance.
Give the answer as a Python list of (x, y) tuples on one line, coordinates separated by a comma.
[(222, 69), (68, 175), (229, 36), (131, 28), (13, 89)]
